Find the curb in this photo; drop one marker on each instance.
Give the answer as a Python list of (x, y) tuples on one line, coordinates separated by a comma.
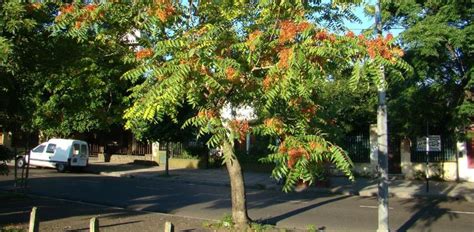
[(407, 195)]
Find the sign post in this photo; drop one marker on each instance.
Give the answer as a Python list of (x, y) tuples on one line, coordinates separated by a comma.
[(427, 162), (427, 144)]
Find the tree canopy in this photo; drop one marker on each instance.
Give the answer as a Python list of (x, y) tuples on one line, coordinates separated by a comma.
[(438, 39), (56, 84), (281, 59), (273, 57)]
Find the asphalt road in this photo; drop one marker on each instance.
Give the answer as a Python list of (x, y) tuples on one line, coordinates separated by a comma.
[(294, 210)]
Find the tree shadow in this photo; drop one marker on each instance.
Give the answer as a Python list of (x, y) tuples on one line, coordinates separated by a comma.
[(17, 211), (427, 212), (275, 219), (428, 209), (122, 167), (162, 195)]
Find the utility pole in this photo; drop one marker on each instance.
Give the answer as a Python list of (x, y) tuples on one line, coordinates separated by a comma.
[(382, 138)]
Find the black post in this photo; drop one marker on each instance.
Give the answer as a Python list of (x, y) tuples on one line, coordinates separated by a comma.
[(28, 163), (168, 150), (22, 177), (15, 171)]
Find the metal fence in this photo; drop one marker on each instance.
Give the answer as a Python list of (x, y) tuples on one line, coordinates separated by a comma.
[(357, 147), (447, 153), (126, 149)]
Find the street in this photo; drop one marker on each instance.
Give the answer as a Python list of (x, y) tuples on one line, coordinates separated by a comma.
[(294, 210)]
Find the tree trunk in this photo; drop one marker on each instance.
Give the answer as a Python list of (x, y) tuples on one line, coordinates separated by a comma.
[(239, 201)]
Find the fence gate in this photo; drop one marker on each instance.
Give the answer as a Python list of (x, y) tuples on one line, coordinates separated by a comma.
[(358, 147), (394, 160), (446, 154)]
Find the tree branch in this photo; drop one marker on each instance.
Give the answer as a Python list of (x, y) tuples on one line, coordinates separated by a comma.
[(262, 68)]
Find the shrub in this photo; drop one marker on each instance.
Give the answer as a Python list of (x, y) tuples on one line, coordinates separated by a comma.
[(5, 155)]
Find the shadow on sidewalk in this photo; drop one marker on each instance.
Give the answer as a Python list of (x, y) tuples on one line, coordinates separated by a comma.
[(125, 167)]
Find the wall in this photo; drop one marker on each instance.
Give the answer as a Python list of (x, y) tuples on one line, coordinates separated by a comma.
[(465, 173), (184, 163), (124, 158), (446, 170)]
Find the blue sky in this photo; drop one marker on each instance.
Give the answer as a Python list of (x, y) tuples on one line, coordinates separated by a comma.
[(366, 21)]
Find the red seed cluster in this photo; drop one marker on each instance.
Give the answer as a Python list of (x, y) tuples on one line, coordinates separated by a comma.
[(380, 47), (284, 57), (143, 53), (275, 124), (295, 154), (209, 114), (241, 127), (289, 29)]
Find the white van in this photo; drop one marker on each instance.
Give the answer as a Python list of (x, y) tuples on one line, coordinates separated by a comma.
[(58, 153)]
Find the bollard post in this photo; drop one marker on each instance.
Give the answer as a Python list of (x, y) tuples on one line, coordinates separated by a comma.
[(34, 223), (15, 173), (94, 225), (169, 227)]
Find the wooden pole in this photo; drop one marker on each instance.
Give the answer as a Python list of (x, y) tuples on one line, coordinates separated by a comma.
[(94, 225), (169, 227), (34, 223)]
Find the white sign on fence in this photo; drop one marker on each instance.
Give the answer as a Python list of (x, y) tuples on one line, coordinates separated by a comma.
[(434, 143)]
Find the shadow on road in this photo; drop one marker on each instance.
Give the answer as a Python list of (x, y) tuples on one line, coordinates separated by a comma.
[(427, 211), (274, 220)]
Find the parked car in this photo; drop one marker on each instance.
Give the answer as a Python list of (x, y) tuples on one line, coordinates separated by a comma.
[(61, 154)]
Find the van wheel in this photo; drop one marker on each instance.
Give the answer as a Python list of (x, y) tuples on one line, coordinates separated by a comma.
[(61, 167), (20, 162)]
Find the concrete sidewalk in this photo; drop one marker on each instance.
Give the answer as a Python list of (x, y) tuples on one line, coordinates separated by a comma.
[(219, 176)]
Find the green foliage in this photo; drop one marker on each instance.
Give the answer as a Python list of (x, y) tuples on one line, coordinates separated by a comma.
[(311, 228), (438, 40), (5, 155), (257, 227), (55, 84), (11, 229), (226, 222), (275, 57), (186, 155), (318, 154)]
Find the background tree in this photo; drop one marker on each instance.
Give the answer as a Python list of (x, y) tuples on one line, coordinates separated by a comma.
[(438, 39), (13, 21), (58, 85), (273, 57), (5, 155), (166, 131)]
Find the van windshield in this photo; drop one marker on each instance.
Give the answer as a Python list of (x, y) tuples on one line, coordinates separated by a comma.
[(39, 148)]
